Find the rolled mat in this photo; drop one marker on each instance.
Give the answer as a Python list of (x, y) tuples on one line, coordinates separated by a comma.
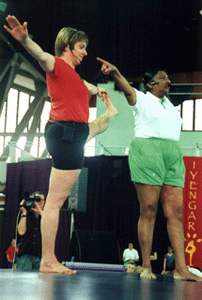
[(95, 266)]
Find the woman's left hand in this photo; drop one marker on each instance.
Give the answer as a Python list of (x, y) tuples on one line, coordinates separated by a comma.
[(102, 93)]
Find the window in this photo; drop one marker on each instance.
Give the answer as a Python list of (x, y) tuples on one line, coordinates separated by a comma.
[(18, 103), (198, 114), (23, 106), (187, 114), (11, 111), (12, 114), (90, 146), (191, 113)]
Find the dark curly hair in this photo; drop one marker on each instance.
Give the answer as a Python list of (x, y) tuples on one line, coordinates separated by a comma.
[(149, 76)]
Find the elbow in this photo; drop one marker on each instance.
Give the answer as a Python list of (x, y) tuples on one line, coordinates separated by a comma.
[(46, 61), (130, 99), (21, 233), (42, 59)]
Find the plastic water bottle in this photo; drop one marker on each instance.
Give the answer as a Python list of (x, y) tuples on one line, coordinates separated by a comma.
[(72, 259)]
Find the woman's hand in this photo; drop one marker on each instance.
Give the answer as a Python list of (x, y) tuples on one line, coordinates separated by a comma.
[(102, 93), (18, 31), (130, 93), (106, 68)]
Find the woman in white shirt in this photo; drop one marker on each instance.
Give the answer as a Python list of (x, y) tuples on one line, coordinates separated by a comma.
[(156, 163)]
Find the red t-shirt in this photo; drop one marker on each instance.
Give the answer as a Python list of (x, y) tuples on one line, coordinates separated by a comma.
[(69, 95), (10, 251)]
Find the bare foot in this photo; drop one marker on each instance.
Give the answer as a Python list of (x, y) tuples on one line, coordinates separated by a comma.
[(186, 275), (110, 108), (55, 268), (147, 274)]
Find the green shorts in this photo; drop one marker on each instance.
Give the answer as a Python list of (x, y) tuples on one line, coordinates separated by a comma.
[(156, 161)]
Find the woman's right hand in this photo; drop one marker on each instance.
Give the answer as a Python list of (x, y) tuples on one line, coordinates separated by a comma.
[(107, 67), (18, 31)]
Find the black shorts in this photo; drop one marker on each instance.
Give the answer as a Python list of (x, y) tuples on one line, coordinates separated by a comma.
[(65, 143)]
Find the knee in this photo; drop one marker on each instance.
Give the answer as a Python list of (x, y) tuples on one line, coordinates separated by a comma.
[(172, 201), (148, 211), (175, 212)]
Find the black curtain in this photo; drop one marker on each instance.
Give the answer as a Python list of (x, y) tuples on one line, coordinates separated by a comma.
[(112, 204)]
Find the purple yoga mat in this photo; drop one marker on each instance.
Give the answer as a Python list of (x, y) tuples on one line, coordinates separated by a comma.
[(95, 266)]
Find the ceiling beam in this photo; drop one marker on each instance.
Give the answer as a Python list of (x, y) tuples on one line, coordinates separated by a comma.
[(4, 93), (35, 124)]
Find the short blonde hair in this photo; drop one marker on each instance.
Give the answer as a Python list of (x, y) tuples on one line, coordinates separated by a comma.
[(68, 36)]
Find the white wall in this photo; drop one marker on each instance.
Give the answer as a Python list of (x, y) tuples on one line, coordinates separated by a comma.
[(120, 132), (188, 143)]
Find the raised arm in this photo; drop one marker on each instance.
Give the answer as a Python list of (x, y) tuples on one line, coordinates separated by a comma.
[(153, 257), (22, 226), (129, 92), (101, 123), (20, 33)]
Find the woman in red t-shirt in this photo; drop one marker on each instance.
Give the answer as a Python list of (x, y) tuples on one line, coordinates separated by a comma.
[(68, 128)]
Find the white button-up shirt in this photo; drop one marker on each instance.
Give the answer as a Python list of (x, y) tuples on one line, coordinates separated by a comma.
[(152, 119), (130, 254)]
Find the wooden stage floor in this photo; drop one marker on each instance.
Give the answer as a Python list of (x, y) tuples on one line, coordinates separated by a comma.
[(93, 285)]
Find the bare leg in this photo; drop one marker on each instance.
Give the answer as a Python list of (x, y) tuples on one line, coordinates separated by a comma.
[(148, 197), (61, 182), (101, 123), (172, 201)]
